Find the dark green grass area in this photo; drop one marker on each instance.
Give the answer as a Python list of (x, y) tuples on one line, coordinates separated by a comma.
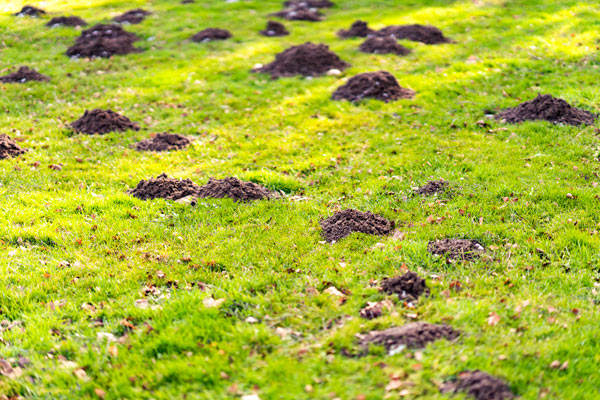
[(78, 254)]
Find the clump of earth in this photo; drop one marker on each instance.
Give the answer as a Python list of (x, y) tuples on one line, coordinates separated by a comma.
[(479, 385), (103, 41), (274, 28), (383, 45), (30, 11), (409, 286), (235, 189), (456, 249), (432, 187), (308, 3), (416, 33), (132, 16), (300, 13), (210, 34), (22, 75), (548, 108), (66, 21), (415, 335), (9, 147), (343, 223), (380, 85), (357, 29), (165, 188), (163, 142), (103, 121)]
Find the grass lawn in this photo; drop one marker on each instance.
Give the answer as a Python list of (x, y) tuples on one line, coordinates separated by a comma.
[(78, 254)]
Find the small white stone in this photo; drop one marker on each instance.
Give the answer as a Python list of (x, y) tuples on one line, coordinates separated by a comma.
[(258, 66), (334, 72)]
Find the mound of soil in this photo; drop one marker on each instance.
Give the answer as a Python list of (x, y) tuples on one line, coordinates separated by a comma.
[(165, 188), (308, 3), (307, 59), (132, 16), (416, 33), (415, 335), (456, 249), (343, 223), (547, 108), (103, 121), (479, 385), (274, 29), (372, 311), (380, 85), (432, 187), (163, 142), (234, 189), (9, 148), (103, 41), (30, 11), (357, 29), (383, 45), (66, 21), (299, 13), (211, 34), (24, 74), (409, 286)]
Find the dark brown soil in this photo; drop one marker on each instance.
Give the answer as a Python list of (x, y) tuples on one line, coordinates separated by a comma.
[(415, 335), (307, 59), (187, 1), (372, 311), (103, 41), (299, 13), (308, 3), (132, 16), (24, 74), (416, 33), (165, 188), (383, 45), (30, 11), (234, 189), (409, 286), (343, 223), (547, 108), (66, 21), (456, 249), (163, 142), (479, 385), (210, 34), (357, 29), (380, 85), (101, 122), (274, 29), (9, 148), (432, 187)]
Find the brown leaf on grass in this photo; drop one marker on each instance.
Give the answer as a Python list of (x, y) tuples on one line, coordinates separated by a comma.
[(81, 374), (100, 393), (209, 302), (493, 319), (7, 370)]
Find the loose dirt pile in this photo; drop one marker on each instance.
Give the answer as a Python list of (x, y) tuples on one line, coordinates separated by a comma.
[(132, 16), (307, 59), (274, 29), (300, 13), (9, 148), (234, 189), (103, 41), (432, 187), (210, 34), (163, 142), (456, 249), (343, 223), (379, 85), (413, 336), (357, 29), (409, 286), (547, 108), (24, 74), (30, 11), (101, 122), (480, 386), (375, 309), (416, 33), (308, 3), (66, 21), (165, 188), (383, 45)]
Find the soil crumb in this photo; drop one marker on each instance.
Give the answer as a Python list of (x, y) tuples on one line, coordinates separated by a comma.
[(415, 335), (187, 1), (357, 29), (343, 223), (432, 187), (103, 41), (547, 108), (416, 33), (101, 122), (274, 29), (307, 59), (299, 13), (309, 3), (132, 16), (379, 85), (22, 75), (165, 188), (383, 45), (409, 286), (9, 148), (479, 385), (210, 34), (163, 142), (456, 249), (30, 11), (234, 189), (66, 21)]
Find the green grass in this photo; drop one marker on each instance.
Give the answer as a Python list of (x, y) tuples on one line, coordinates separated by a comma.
[(74, 237)]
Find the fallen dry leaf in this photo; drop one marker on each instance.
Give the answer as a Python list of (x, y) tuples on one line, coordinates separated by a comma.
[(209, 302), (493, 319)]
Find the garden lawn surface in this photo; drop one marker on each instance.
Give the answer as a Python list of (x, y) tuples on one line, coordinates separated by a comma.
[(103, 295)]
